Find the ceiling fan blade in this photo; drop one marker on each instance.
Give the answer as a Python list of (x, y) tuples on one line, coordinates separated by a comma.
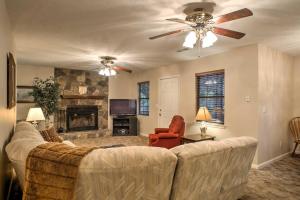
[(168, 33), (233, 16), (183, 49), (119, 68), (228, 33), (182, 21)]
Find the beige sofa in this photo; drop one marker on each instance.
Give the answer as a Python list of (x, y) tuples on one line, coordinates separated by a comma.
[(204, 170)]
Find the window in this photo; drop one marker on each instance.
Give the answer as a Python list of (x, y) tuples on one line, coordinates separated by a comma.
[(144, 98), (210, 94)]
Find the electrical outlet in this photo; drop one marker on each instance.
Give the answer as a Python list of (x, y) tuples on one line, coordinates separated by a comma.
[(247, 99)]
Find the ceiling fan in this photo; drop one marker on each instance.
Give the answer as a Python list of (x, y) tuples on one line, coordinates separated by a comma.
[(108, 68), (201, 26)]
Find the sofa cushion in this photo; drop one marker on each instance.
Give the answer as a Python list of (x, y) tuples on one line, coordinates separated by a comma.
[(199, 170), (133, 172), (240, 161)]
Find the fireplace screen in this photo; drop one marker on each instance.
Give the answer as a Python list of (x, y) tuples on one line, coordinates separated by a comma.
[(82, 118)]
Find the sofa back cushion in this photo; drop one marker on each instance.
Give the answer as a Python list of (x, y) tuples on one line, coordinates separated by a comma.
[(25, 138), (200, 169), (240, 161), (126, 173), (25, 130)]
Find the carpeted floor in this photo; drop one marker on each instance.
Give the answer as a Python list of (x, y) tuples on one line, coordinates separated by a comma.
[(278, 181)]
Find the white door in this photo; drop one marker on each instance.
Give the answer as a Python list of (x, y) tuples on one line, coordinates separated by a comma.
[(168, 100)]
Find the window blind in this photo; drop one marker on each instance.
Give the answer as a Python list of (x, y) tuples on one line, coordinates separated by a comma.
[(144, 98), (210, 93)]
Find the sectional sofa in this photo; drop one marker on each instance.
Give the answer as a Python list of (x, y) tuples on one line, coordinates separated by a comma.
[(197, 171)]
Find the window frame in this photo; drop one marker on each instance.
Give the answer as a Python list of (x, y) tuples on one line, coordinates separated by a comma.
[(140, 98), (197, 77)]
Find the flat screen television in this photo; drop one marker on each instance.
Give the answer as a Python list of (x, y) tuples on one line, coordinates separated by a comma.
[(119, 107)]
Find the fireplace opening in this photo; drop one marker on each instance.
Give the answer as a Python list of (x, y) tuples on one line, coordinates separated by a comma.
[(82, 118)]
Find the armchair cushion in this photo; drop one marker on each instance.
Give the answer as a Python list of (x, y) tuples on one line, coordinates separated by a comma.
[(161, 130), (167, 135)]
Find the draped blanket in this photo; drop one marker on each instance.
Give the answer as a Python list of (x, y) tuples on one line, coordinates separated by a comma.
[(51, 171)]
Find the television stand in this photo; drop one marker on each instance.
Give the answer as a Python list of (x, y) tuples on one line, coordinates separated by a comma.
[(125, 126)]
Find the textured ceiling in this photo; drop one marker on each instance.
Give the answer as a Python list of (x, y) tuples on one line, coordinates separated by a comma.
[(73, 33)]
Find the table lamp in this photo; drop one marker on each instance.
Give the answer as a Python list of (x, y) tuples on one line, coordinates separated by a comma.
[(203, 115), (35, 115)]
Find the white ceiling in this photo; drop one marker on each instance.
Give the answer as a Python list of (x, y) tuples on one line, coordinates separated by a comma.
[(73, 33)]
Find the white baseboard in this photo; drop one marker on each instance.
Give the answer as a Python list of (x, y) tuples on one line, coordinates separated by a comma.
[(268, 162)]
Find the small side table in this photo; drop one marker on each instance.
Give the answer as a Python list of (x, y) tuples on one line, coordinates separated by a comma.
[(196, 138)]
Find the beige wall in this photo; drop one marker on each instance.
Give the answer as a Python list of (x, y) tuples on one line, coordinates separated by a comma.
[(296, 88), (240, 81), (26, 74), (7, 117), (263, 74), (240, 64), (275, 76)]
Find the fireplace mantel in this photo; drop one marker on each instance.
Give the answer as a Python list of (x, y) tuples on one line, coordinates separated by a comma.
[(82, 97)]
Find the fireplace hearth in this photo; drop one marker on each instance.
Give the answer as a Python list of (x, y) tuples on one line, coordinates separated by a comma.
[(82, 118)]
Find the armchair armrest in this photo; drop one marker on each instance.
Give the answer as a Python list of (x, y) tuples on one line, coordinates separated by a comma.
[(167, 135), (161, 130)]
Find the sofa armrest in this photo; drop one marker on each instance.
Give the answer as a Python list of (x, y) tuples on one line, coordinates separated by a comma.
[(167, 135), (161, 130)]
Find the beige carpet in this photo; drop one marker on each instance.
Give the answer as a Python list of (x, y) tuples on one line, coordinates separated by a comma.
[(278, 181)]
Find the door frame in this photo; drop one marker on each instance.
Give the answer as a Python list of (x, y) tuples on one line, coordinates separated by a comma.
[(159, 94)]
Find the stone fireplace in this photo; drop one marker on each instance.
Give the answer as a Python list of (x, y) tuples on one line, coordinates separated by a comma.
[(84, 101), (82, 118)]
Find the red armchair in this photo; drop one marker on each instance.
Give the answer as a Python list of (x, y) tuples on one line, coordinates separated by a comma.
[(168, 137)]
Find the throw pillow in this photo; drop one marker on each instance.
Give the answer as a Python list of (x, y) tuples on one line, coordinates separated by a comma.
[(50, 135)]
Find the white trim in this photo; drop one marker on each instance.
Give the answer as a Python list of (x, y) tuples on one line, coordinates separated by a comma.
[(268, 162)]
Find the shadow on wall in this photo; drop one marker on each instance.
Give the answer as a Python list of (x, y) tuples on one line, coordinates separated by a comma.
[(5, 169)]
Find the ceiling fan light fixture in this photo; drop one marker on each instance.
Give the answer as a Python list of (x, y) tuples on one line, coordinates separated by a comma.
[(107, 71), (113, 72), (209, 39), (190, 40)]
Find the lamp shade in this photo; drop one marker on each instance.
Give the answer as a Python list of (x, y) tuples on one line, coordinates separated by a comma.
[(35, 114), (203, 114)]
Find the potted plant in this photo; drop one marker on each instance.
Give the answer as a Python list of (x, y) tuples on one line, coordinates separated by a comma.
[(46, 95)]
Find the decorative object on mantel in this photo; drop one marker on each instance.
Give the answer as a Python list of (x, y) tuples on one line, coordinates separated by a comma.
[(35, 115), (203, 115), (11, 81), (82, 89), (46, 95), (24, 94)]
